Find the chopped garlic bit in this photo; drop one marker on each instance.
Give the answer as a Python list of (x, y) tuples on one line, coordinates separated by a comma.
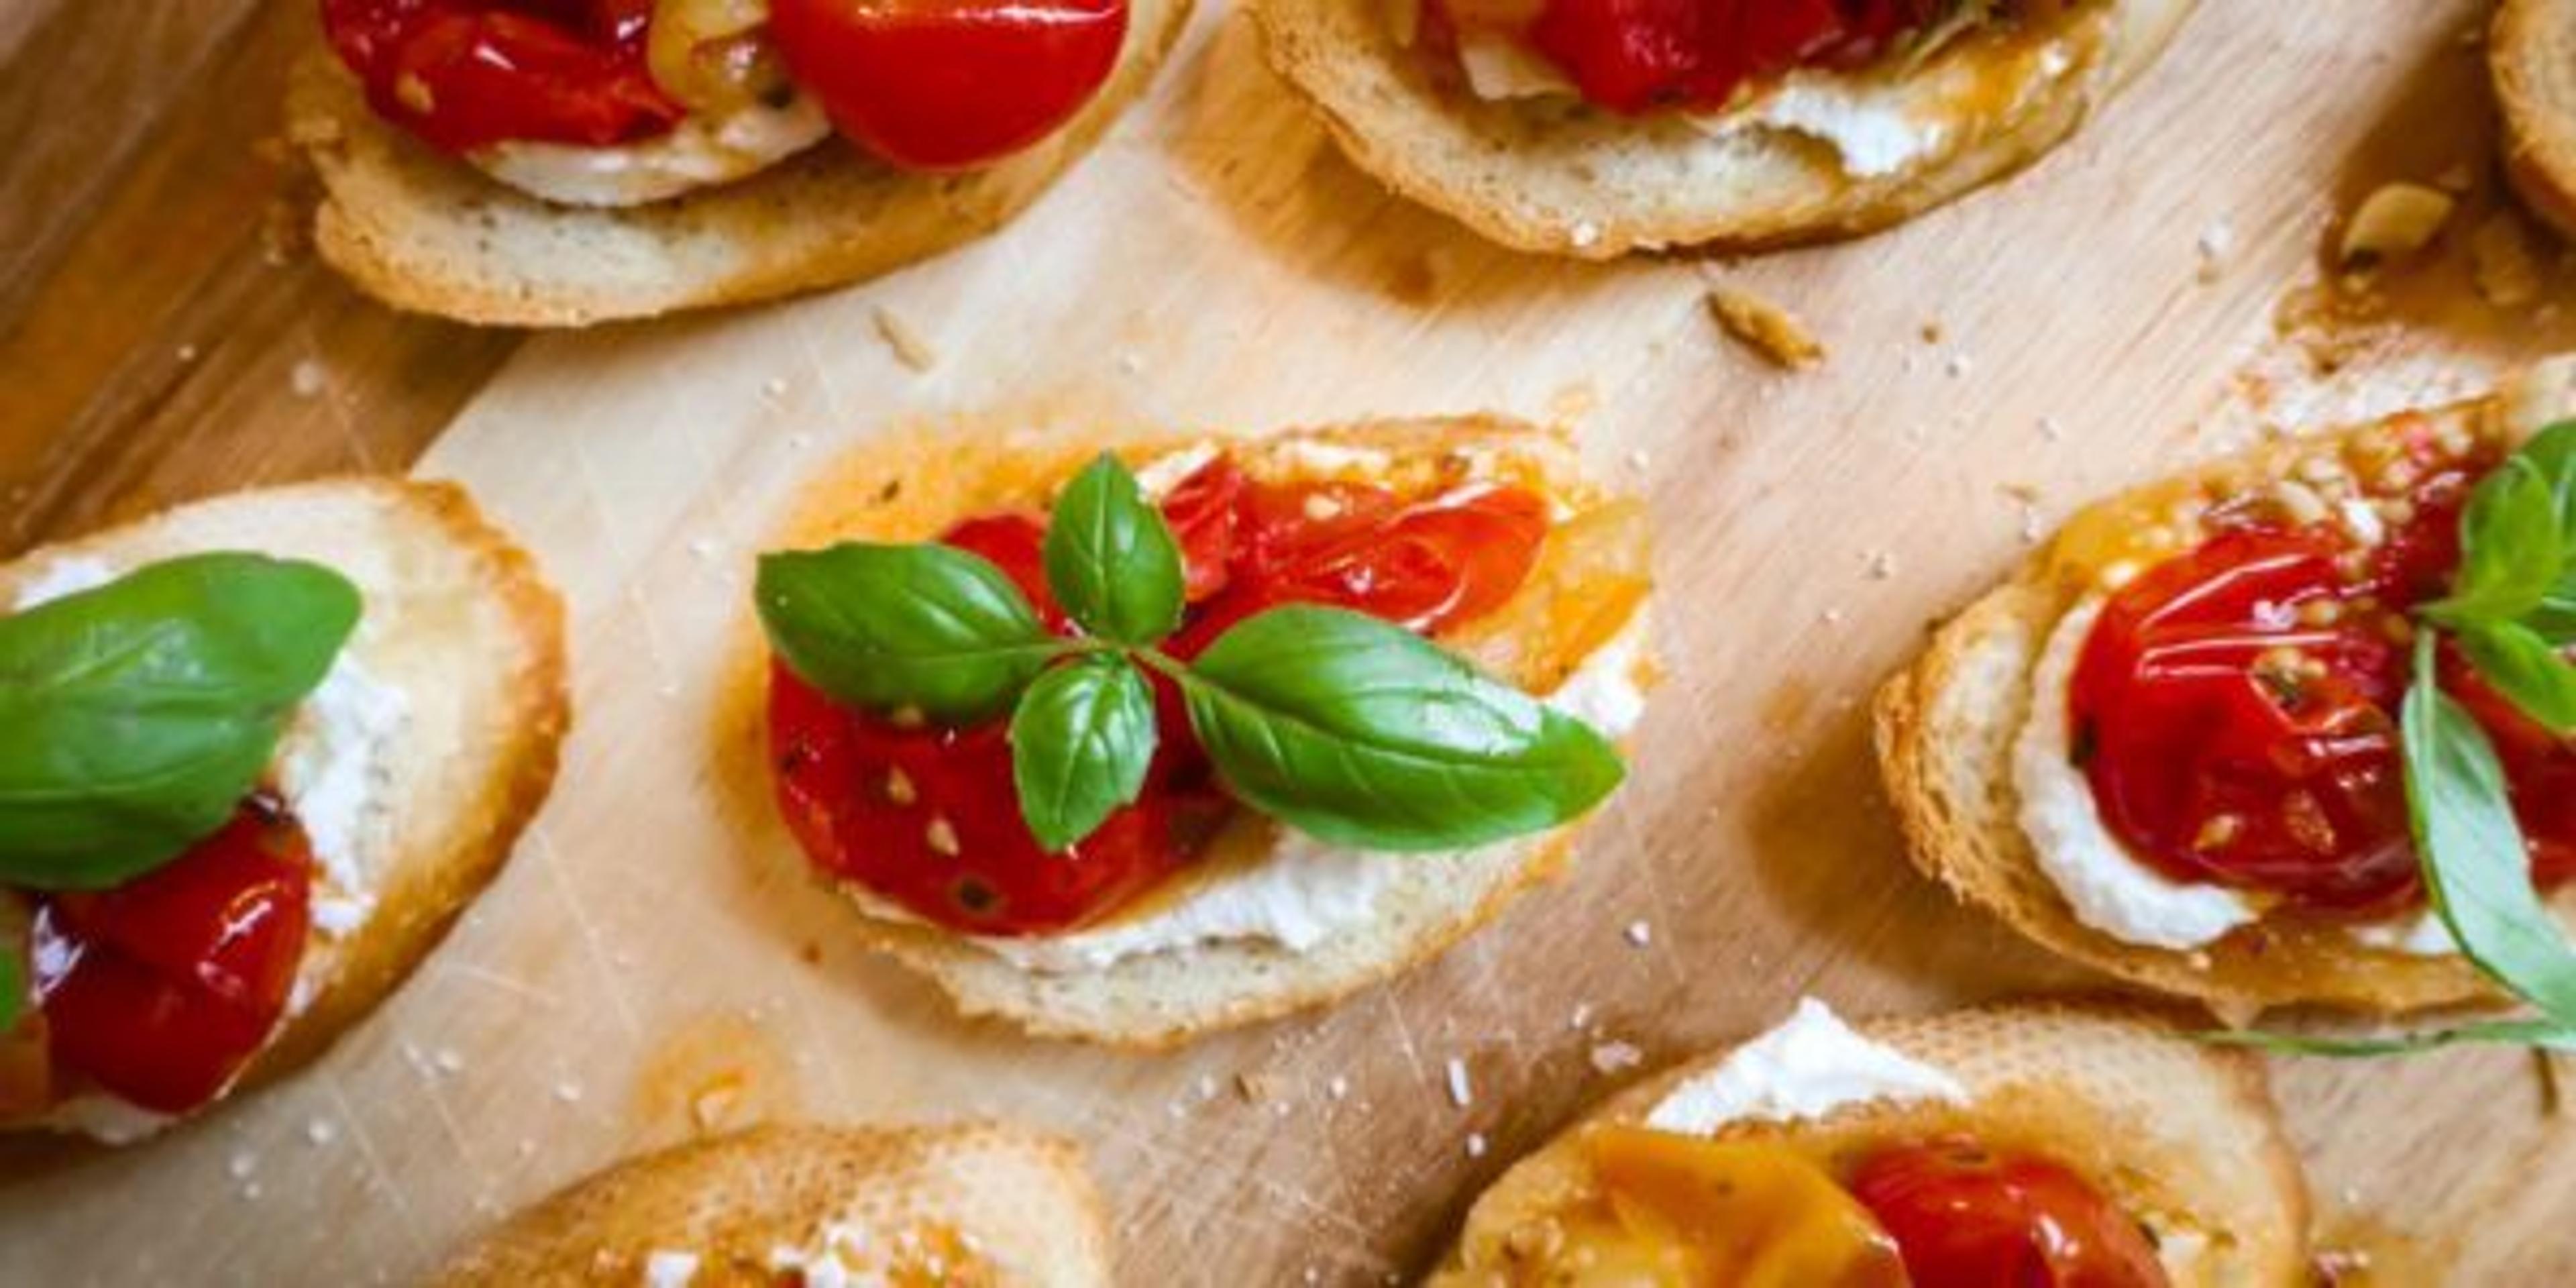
[(2396, 221), (909, 348)]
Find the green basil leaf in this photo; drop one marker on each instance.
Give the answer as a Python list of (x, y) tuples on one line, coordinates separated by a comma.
[(13, 981), (1080, 745), (2526, 669), (2551, 454), (2475, 864), (885, 627), (2511, 551), (134, 717), (2547, 1034), (1111, 559), (1361, 733)]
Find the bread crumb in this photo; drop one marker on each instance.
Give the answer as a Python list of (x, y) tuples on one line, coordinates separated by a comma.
[(1765, 328), (305, 379), (1882, 566), (2217, 242), (1476, 1144), (1958, 367), (775, 386), (1339, 1088), (449, 1061), (909, 348), (2052, 429), (1582, 1017), (1253, 1087), (1640, 934), (187, 353), (2508, 274), (242, 1164), (568, 1092), (1587, 234), (1461, 1093), (320, 1132), (1616, 1057)]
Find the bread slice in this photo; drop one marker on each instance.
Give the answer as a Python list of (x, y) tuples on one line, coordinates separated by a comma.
[(1946, 728), (424, 231), (1559, 177), (2532, 54), (979, 1204), (459, 621), (2179, 1134), (1590, 587)]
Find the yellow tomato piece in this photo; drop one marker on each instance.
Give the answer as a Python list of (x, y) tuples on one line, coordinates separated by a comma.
[(1744, 1215)]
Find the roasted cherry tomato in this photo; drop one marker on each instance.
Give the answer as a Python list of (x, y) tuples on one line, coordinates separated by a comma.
[(464, 74), (2232, 736), (2236, 709), (1639, 55), (929, 818), (160, 990), (948, 84), (1968, 1217)]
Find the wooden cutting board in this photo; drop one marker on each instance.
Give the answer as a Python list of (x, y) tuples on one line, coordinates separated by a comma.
[(654, 962)]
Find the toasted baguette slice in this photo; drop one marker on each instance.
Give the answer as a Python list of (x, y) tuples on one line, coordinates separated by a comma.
[(423, 231), (1590, 587), (980, 1204), (458, 621), (1946, 729), (2532, 54), (1556, 176), (2178, 1134)]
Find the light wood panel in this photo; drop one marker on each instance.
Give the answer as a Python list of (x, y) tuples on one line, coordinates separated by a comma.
[(1218, 265)]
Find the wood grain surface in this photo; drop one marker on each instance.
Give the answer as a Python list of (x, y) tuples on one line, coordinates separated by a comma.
[(655, 964)]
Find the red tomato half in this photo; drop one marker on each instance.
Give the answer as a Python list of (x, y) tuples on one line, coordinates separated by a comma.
[(929, 817), (160, 990), (949, 84), (1968, 1217), (464, 74)]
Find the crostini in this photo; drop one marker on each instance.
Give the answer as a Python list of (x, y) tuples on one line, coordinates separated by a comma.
[(2531, 52), (2171, 746), (532, 163), (978, 1206), (2041, 1144), (256, 754), (1591, 129), (1288, 746)]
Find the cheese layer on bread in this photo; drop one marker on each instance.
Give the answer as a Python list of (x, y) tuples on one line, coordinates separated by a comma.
[(700, 152), (1879, 121)]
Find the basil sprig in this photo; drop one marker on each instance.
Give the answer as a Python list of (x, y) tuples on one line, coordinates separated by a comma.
[(134, 717), (2512, 603), (1348, 728)]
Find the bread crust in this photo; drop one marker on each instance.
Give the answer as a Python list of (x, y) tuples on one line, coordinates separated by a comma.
[(511, 755), (1022, 1201), (1945, 729), (2162, 1125), (1566, 179), (2532, 55), (1163, 999), (426, 232)]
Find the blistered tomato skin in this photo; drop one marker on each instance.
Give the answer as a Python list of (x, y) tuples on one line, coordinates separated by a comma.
[(949, 84), (466, 74), (2236, 712), (161, 990), (929, 818), (1967, 1217)]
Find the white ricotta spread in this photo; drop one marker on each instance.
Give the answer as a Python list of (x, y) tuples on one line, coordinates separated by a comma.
[(334, 766), (670, 1269), (700, 152), (2421, 935), (1807, 1068), (1878, 124), (1278, 886), (846, 1256), (2109, 889)]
